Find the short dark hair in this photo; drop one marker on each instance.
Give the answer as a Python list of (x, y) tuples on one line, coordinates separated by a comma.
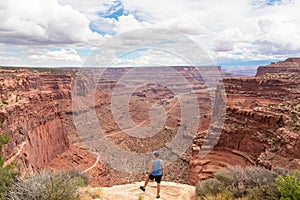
[(156, 154)]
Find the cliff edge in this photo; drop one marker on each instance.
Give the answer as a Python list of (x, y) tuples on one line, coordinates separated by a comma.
[(290, 65), (169, 191)]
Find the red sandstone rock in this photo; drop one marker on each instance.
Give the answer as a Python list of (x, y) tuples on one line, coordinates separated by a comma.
[(262, 116), (290, 65), (33, 117)]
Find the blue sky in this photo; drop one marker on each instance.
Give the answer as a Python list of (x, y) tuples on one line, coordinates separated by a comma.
[(234, 34)]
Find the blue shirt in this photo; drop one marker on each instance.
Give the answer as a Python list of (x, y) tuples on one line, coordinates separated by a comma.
[(156, 169)]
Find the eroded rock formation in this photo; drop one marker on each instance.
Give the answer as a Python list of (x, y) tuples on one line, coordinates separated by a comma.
[(31, 115), (290, 65), (262, 124)]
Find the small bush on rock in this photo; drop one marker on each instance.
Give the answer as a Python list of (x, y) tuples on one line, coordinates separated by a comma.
[(47, 186), (209, 187), (253, 183), (289, 186), (225, 176), (8, 173), (224, 195), (266, 192)]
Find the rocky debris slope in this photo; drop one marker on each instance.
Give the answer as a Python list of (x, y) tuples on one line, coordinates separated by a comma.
[(88, 163)]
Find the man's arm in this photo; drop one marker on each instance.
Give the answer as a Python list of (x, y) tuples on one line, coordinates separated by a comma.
[(162, 167), (150, 167)]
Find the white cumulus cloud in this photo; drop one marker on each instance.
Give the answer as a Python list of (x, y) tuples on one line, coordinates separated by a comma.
[(127, 23), (277, 36), (66, 55), (34, 22)]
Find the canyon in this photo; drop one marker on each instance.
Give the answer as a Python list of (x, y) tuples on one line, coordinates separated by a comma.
[(261, 126), (46, 113)]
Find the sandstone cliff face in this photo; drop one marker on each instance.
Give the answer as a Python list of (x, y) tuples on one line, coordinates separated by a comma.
[(262, 126), (32, 116), (290, 65)]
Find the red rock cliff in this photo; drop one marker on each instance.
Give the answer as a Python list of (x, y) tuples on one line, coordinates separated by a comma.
[(261, 126), (287, 66), (31, 115)]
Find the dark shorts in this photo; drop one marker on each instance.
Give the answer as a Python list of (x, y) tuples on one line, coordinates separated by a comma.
[(157, 178)]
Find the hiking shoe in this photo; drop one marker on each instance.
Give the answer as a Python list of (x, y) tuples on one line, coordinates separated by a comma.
[(142, 188), (158, 196)]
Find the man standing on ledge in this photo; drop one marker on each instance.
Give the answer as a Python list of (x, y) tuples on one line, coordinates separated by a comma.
[(156, 171)]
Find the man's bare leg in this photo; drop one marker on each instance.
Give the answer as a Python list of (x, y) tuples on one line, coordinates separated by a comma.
[(158, 189), (146, 181)]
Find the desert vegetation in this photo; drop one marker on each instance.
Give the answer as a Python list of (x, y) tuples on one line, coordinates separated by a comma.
[(253, 183), (41, 186), (48, 185), (8, 173)]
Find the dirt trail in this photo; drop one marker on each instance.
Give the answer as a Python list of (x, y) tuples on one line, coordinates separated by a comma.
[(138, 125), (169, 191), (20, 148), (94, 165)]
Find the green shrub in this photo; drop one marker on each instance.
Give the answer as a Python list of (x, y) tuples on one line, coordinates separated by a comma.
[(253, 183), (140, 197), (289, 186), (265, 192), (47, 186), (7, 178), (209, 187), (4, 139), (258, 176), (59, 187), (224, 176), (240, 179), (78, 178), (8, 173), (224, 195)]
